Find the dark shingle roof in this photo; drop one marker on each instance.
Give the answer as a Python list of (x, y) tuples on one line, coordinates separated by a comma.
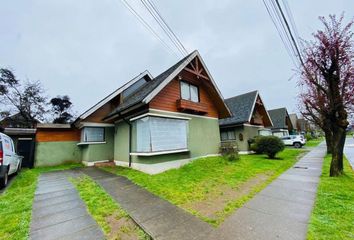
[(241, 107), (146, 89), (278, 117)]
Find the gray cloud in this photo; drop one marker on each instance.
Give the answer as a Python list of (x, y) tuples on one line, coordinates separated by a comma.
[(86, 49)]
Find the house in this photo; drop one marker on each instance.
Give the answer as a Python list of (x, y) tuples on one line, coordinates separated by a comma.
[(282, 125), (295, 122), (150, 124), (249, 119)]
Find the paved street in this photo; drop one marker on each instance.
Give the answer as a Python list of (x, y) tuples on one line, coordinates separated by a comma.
[(349, 150)]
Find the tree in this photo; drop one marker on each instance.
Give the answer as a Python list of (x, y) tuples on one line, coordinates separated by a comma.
[(61, 106), (26, 99), (327, 81)]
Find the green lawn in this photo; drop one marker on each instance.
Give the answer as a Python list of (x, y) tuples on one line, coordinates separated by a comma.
[(204, 185), (314, 142), (16, 202), (333, 214), (115, 223)]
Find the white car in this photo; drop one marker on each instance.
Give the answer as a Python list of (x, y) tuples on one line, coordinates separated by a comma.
[(294, 140), (10, 162)]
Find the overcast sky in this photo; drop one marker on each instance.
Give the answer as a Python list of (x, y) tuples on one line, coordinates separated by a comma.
[(86, 48)]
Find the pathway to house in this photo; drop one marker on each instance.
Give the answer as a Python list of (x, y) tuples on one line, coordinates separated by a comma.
[(157, 217), (282, 210), (349, 150), (58, 212)]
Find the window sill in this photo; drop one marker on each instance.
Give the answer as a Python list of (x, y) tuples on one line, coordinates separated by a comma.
[(158, 153), (89, 143)]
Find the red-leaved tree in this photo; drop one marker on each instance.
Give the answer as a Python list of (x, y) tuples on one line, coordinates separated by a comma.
[(327, 83)]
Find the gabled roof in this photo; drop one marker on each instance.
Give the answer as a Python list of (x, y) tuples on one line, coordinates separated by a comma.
[(293, 119), (114, 94), (278, 117), (150, 89), (242, 108)]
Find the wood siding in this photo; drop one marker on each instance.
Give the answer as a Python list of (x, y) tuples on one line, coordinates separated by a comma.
[(167, 97), (57, 135)]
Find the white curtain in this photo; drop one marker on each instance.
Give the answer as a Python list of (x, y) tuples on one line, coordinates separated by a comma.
[(93, 134), (161, 134)]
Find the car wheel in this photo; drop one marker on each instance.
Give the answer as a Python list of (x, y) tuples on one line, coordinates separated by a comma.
[(4, 180), (297, 145)]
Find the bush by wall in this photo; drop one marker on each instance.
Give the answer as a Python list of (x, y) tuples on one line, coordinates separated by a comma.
[(269, 145), (229, 151)]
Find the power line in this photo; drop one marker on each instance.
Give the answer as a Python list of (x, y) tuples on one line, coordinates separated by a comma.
[(271, 11), (147, 26), (163, 27), (157, 11), (290, 33)]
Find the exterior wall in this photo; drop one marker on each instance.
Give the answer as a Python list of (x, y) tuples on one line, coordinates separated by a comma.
[(56, 146), (203, 139), (248, 132), (55, 153), (121, 142), (167, 98), (101, 151)]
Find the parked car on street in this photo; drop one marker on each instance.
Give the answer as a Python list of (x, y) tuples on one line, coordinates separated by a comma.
[(294, 140), (10, 162)]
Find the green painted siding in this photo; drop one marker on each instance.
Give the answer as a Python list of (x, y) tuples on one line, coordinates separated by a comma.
[(121, 142), (55, 153), (97, 152), (248, 132), (203, 139)]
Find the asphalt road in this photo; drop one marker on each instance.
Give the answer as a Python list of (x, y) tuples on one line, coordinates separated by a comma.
[(349, 150)]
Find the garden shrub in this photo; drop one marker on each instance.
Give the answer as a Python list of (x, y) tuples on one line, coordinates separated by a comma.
[(229, 151), (269, 145)]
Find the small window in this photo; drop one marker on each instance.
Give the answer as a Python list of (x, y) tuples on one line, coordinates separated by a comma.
[(228, 135), (92, 134), (189, 92)]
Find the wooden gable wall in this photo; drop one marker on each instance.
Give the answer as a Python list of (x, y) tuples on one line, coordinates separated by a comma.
[(259, 115), (168, 97)]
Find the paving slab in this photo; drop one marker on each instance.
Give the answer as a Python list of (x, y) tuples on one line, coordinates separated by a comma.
[(157, 217), (58, 211), (281, 210)]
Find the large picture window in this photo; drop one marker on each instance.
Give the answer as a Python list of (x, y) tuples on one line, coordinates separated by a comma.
[(156, 134), (92, 134), (189, 92)]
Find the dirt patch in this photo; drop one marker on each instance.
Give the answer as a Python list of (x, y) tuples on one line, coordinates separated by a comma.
[(216, 201), (122, 228)]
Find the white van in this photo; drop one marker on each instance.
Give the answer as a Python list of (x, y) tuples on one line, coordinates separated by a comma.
[(10, 162)]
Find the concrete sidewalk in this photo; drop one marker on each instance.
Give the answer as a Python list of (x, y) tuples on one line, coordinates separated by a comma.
[(282, 210), (349, 150), (157, 217), (58, 212)]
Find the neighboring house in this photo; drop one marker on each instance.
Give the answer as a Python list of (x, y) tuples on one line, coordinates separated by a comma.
[(304, 125), (282, 125), (249, 119), (150, 124), (294, 121), (17, 121)]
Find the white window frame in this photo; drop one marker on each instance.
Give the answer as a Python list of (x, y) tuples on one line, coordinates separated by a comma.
[(149, 146), (190, 86), (84, 135)]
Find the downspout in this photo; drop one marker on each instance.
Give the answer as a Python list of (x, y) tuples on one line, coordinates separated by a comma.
[(130, 138)]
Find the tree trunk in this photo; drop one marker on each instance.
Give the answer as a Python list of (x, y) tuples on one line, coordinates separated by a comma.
[(329, 142), (337, 152)]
